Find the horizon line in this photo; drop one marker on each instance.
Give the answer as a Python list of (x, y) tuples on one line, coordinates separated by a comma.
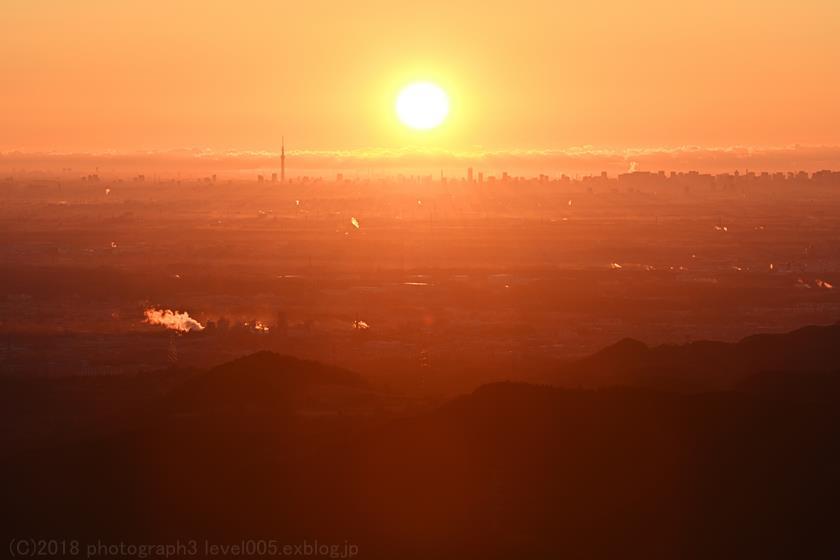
[(793, 157)]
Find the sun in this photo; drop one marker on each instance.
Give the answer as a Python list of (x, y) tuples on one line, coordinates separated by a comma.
[(422, 105)]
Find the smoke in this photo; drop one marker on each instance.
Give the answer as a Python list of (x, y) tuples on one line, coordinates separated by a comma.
[(173, 320), (633, 167)]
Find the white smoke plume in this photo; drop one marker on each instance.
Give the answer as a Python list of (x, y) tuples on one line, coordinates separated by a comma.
[(173, 320)]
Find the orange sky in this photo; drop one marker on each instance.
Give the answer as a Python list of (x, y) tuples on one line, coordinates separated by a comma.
[(94, 76)]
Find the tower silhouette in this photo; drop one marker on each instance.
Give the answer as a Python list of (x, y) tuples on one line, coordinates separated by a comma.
[(283, 159)]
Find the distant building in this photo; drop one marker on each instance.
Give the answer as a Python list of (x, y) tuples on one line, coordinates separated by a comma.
[(172, 353), (283, 159)]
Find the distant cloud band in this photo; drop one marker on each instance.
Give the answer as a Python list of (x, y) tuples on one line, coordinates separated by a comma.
[(573, 160)]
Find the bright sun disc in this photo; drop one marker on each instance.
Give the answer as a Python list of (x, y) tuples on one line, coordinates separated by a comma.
[(422, 106)]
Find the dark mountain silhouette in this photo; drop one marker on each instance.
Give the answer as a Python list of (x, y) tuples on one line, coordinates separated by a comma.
[(704, 365), (511, 470), (787, 385), (266, 382)]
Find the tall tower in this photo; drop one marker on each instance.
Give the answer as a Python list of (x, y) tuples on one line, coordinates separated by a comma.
[(283, 159)]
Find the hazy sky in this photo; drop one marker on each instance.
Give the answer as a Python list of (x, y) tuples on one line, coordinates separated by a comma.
[(93, 76)]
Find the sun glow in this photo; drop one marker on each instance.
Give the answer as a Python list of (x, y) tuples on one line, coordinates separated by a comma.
[(422, 106)]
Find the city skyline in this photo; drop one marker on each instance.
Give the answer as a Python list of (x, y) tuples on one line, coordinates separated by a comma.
[(580, 161)]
